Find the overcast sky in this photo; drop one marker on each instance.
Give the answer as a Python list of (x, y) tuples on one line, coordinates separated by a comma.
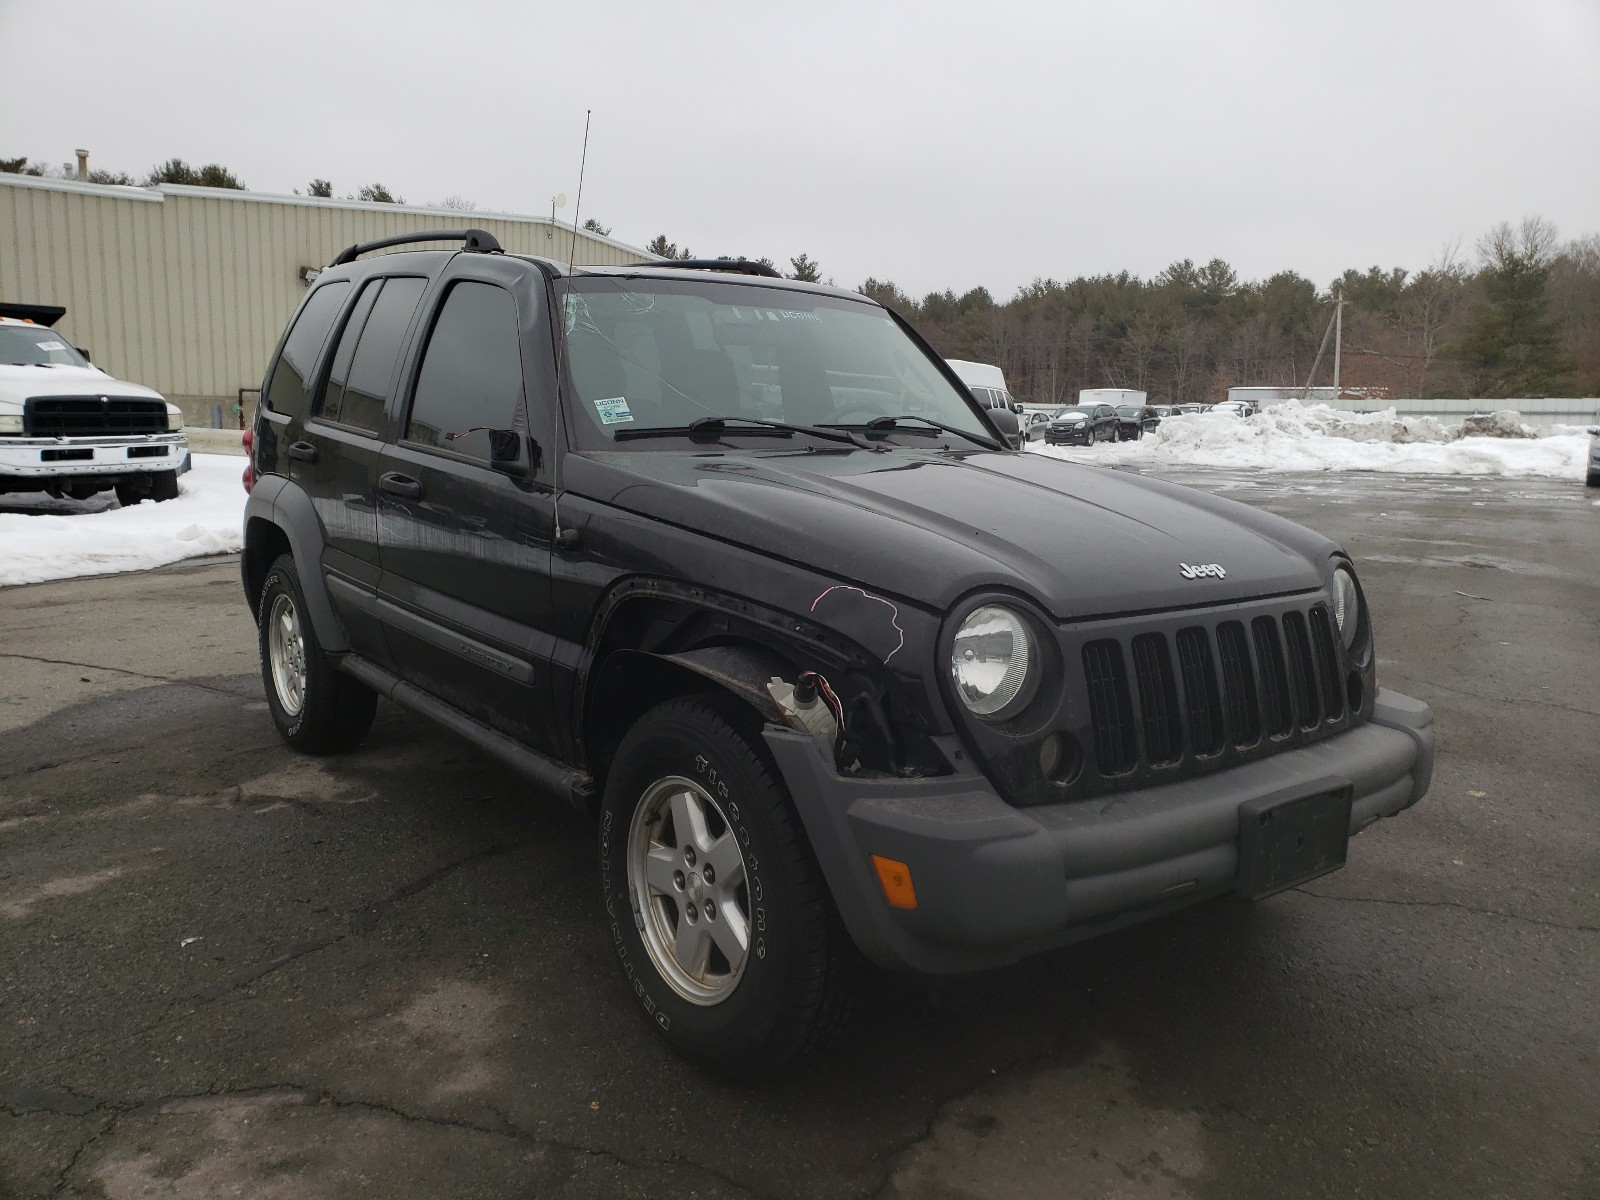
[(933, 144)]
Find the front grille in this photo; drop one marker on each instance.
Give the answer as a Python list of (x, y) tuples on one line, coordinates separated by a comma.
[(1116, 747), (1327, 663), (1158, 700), (1200, 691), (1302, 679), (1275, 710), (86, 416), (1238, 685), (1204, 693)]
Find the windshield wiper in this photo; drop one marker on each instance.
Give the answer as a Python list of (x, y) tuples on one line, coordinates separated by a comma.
[(889, 422), (704, 426)]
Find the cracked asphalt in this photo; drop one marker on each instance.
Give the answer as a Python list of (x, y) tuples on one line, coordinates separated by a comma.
[(229, 970)]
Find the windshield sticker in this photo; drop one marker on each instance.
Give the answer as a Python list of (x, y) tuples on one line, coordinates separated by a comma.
[(51, 345), (613, 410), (788, 315)]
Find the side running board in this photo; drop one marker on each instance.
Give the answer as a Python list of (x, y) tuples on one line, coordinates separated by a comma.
[(574, 787)]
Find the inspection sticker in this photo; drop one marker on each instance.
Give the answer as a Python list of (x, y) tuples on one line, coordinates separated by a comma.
[(613, 411), (51, 345)]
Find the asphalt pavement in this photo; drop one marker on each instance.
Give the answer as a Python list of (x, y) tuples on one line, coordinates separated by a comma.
[(226, 969)]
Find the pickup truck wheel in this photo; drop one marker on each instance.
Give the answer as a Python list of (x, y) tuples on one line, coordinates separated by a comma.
[(1593, 479), (129, 494), (719, 914), (164, 486), (316, 707)]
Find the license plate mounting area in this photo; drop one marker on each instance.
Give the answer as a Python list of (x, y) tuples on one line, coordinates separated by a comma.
[(1287, 839)]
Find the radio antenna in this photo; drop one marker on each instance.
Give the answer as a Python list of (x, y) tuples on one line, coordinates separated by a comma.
[(577, 207), (567, 538)]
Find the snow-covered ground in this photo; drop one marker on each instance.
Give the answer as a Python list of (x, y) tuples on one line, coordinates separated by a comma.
[(41, 538), (1315, 437)]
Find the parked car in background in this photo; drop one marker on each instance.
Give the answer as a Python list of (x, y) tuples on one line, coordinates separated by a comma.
[(1082, 425), (69, 429), (1183, 410), (1234, 408), (1593, 479), (1033, 421), (1163, 410), (1134, 421)]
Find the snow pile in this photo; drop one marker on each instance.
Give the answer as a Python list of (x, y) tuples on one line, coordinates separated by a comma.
[(1506, 424), (42, 538), (1316, 437)]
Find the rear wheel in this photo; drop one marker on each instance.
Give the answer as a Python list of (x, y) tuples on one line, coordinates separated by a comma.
[(1593, 480), (720, 917), (316, 707)]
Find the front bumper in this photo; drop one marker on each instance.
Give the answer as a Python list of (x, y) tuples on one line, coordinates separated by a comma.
[(1068, 437), (996, 883), (111, 454)]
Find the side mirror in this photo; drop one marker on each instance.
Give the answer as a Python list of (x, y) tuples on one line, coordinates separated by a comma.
[(1004, 420), (83, 352), (505, 451), (1595, 430)]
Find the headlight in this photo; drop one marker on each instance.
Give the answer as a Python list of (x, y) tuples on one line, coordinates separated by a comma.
[(992, 662), (174, 417), (1346, 605), (10, 422)]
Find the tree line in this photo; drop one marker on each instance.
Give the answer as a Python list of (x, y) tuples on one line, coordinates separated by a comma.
[(1521, 318)]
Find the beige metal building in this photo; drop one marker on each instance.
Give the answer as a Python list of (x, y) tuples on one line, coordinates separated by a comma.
[(186, 289)]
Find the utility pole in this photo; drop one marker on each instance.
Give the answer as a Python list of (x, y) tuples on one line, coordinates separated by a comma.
[(1338, 339)]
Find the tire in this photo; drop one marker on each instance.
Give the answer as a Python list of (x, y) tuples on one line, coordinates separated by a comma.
[(1593, 480), (799, 974), (164, 486), (316, 708), (129, 494)]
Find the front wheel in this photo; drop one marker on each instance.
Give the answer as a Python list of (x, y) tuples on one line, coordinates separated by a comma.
[(1593, 480), (719, 915), (316, 707)]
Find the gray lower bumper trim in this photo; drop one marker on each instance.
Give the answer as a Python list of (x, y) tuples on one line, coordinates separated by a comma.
[(996, 883)]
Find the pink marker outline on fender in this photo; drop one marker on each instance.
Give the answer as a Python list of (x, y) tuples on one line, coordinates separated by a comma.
[(894, 612)]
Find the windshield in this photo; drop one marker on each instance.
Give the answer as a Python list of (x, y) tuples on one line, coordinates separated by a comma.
[(660, 353), (36, 346)]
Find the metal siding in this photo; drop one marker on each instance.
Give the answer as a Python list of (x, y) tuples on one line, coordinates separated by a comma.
[(188, 293)]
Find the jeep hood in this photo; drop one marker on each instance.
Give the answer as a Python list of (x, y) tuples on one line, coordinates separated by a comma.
[(18, 383), (932, 526)]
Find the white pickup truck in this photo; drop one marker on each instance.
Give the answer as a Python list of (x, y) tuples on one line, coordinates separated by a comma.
[(70, 429)]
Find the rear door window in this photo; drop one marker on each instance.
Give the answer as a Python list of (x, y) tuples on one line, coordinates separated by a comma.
[(369, 351), (287, 391), (471, 376)]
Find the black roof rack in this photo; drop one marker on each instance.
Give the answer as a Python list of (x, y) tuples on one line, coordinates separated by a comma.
[(738, 266), (479, 241)]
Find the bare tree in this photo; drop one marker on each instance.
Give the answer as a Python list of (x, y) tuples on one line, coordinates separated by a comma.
[(459, 203)]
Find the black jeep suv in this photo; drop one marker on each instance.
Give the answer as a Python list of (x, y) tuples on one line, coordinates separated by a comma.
[(733, 563)]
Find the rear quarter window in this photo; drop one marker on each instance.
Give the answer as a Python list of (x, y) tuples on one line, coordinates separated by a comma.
[(287, 389)]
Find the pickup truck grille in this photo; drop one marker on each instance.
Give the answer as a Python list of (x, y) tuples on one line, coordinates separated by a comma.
[(1160, 698), (87, 416)]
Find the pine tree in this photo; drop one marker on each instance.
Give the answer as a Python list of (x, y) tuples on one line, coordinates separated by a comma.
[(1511, 347)]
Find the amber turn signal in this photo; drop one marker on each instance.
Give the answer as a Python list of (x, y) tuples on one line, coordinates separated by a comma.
[(896, 880)]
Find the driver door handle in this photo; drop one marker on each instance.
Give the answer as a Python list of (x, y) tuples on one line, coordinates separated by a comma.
[(401, 485)]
